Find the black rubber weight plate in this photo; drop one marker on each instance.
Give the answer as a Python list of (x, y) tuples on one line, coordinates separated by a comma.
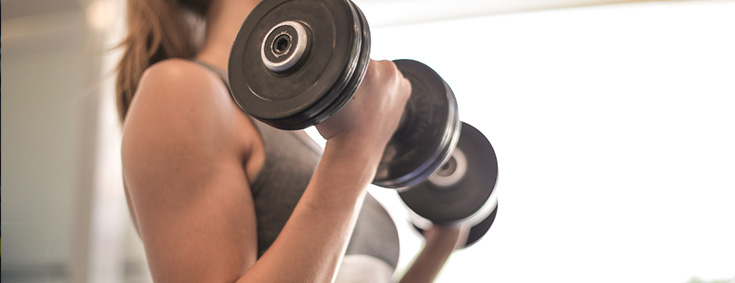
[(449, 205), (336, 55), (479, 230), (428, 133)]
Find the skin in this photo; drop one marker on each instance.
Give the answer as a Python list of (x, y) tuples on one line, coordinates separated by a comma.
[(189, 154)]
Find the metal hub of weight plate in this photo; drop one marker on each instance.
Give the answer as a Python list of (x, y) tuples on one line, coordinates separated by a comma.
[(428, 132), (295, 63), (453, 195)]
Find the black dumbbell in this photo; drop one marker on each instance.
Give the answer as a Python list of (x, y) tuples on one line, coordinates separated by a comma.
[(461, 192), (295, 63)]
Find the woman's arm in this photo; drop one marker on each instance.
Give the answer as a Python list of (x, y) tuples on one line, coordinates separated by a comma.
[(441, 241), (312, 244), (185, 148), (183, 160)]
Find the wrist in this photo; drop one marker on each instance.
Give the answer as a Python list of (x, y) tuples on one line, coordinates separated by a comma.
[(349, 163), (361, 149)]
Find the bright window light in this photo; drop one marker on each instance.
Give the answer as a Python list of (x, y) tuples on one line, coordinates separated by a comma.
[(614, 129)]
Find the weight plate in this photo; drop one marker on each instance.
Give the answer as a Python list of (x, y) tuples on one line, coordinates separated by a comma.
[(428, 131), (479, 230), (328, 70), (467, 199)]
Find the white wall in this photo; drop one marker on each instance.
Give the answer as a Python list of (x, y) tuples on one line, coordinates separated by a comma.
[(48, 103)]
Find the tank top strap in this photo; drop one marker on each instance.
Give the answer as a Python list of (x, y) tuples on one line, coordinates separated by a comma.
[(221, 73)]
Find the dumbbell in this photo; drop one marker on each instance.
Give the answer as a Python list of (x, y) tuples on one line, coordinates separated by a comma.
[(295, 63), (460, 192)]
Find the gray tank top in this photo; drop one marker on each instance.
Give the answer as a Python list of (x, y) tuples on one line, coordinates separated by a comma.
[(290, 160)]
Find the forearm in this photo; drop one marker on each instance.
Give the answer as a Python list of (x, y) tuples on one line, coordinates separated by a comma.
[(439, 245), (312, 243)]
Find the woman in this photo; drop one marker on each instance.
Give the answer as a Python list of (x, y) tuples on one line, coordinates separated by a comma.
[(219, 197)]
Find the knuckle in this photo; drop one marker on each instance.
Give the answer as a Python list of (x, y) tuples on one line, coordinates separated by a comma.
[(389, 69)]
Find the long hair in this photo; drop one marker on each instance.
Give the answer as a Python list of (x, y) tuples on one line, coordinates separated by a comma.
[(157, 30)]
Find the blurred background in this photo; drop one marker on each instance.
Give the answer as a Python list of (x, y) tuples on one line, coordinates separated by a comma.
[(612, 120)]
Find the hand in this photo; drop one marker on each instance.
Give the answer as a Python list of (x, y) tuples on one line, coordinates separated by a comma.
[(375, 111)]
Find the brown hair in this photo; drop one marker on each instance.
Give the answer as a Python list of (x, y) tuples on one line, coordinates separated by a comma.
[(157, 30)]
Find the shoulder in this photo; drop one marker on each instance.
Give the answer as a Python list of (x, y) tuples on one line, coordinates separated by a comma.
[(180, 80), (177, 89), (175, 69), (180, 104)]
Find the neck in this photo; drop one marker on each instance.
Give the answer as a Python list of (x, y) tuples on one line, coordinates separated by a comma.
[(223, 22)]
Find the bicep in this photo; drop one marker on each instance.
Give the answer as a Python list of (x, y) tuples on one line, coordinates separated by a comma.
[(183, 169), (201, 231)]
